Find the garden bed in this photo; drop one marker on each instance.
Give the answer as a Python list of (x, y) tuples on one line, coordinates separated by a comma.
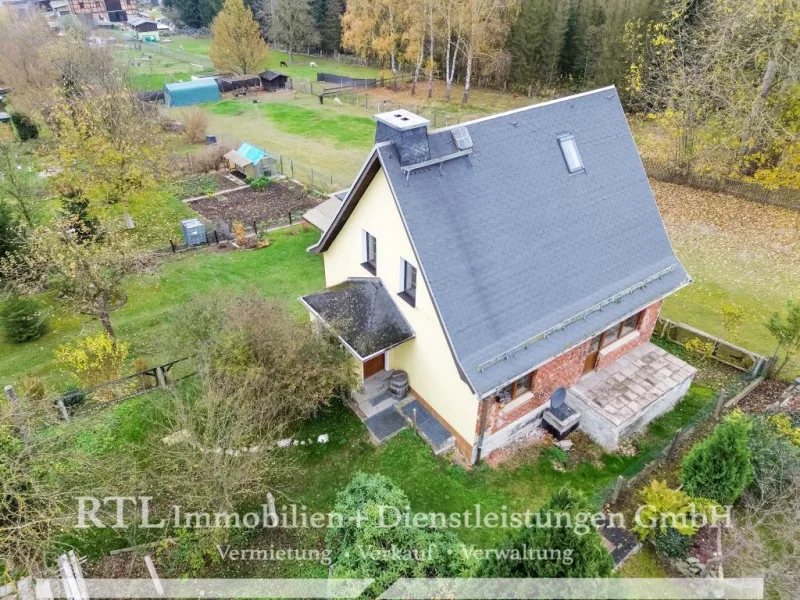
[(276, 202)]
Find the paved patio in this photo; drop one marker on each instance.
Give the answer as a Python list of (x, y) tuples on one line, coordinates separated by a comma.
[(623, 397)]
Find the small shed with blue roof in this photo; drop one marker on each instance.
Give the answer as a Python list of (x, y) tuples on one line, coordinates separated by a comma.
[(191, 92), (252, 162)]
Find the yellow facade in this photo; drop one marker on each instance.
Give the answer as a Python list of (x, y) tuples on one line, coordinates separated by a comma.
[(427, 359)]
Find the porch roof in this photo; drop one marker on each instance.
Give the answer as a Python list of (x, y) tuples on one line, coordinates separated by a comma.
[(362, 314)]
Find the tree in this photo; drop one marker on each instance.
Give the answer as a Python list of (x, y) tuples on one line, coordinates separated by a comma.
[(786, 331), (251, 356), (369, 505), (376, 28), (20, 184), (330, 30), (719, 467), (485, 23), (585, 552), (85, 270), (292, 25), (236, 44)]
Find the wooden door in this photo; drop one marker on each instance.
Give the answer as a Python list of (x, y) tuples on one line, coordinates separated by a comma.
[(591, 358), (374, 365)]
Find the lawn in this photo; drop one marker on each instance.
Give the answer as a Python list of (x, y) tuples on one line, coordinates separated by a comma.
[(297, 68), (433, 484), (738, 252), (284, 270), (152, 74), (332, 140)]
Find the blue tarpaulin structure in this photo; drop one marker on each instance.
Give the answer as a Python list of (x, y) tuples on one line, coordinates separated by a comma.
[(191, 92)]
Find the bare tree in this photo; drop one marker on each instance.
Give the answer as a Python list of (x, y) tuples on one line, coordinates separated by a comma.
[(292, 25)]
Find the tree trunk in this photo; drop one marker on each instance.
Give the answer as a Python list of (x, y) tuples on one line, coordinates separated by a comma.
[(105, 321), (468, 77), (752, 129), (430, 59)]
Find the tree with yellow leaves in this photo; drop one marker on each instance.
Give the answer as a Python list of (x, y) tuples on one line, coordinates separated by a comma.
[(237, 44)]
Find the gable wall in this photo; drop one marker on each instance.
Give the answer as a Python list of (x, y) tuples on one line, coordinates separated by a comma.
[(432, 372)]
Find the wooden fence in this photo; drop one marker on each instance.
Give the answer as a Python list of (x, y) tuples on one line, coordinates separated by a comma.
[(785, 197), (723, 351)]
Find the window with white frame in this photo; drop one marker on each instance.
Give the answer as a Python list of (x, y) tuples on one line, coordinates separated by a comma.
[(369, 252), (408, 282)]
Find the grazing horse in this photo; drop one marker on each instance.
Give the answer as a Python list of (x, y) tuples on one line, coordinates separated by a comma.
[(283, 63), (312, 64), (337, 102)]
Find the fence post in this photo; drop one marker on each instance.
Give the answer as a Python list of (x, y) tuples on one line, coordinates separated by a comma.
[(414, 416), (291, 166), (720, 404), (63, 409), (312, 176), (17, 414), (255, 228), (172, 244), (674, 444), (161, 377), (290, 217), (216, 237), (617, 489)]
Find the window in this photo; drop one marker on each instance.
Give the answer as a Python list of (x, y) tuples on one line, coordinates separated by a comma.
[(515, 389), (629, 325), (569, 148), (369, 254), (408, 282)]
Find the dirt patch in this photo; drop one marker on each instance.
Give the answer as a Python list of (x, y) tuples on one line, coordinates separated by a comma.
[(127, 565), (273, 204), (704, 544), (766, 394)]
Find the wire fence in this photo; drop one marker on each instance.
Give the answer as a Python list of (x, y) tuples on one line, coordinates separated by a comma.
[(785, 197), (310, 176)]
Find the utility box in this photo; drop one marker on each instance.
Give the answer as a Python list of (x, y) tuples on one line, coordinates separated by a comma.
[(194, 232)]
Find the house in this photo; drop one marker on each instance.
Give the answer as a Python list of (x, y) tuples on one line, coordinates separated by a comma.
[(187, 93), (103, 12), (514, 267), (146, 29), (251, 162), (272, 81)]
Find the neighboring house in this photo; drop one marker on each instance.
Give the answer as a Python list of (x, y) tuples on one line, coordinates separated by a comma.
[(187, 93), (272, 81), (504, 265), (251, 162), (105, 11), (145, 29)]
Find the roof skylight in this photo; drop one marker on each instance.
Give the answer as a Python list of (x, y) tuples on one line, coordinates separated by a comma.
[(569, 148)]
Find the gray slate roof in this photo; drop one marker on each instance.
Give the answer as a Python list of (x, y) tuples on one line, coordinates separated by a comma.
[(363, 315), (512, 244)]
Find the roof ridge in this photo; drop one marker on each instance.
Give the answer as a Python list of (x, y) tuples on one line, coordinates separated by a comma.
[(524, 108)]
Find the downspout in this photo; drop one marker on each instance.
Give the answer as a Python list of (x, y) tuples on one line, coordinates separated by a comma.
[(484, 416)]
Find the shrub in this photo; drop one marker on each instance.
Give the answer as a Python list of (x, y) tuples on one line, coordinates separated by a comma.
[(95, 359), (357, 545), (239, 234), (719, 467), (700, 349), (209, 158), (195, 123), (260, 183), (663, 508), (26, 129), (672, 542), (784, 424), (22, 320), (774, 458), (558, 455), (73, 396), (573, 552)]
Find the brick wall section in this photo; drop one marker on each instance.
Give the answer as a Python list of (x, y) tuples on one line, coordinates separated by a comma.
[(563, 371)]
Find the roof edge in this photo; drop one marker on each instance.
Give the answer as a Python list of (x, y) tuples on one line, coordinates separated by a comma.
[(524, 108)]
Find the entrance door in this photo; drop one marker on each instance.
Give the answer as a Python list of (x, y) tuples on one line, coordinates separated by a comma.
[(374, 365), (591, 358)]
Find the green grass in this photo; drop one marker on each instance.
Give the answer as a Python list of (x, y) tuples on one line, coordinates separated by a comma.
[(347, 130), (284, 270), (433, 484), (229, 108)]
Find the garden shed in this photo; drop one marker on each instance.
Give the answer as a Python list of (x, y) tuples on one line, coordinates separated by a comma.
[(235, 83), (191, 92), (272, 80), (251, 162)]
